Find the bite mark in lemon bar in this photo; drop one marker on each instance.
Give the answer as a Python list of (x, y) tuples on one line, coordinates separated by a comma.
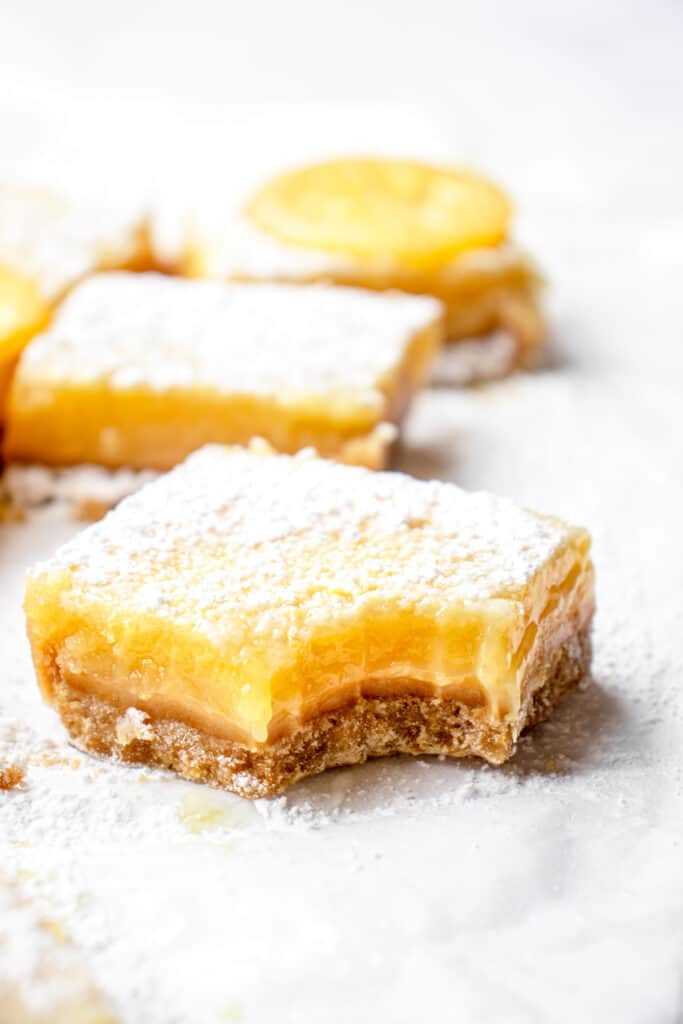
[(139, 370), (252, 618)]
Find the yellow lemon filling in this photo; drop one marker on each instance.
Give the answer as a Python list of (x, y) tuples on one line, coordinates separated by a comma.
[(23, 312)]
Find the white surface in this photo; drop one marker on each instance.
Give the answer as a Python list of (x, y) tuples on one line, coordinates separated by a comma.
[(546, 891)]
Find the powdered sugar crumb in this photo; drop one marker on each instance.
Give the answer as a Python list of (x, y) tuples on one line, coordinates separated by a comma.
[(132, 725), (476, 360)]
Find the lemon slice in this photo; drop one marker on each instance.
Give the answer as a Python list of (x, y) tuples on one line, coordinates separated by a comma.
[(23, 311), (413, 213)]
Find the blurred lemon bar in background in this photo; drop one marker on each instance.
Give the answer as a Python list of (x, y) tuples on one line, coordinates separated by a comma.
[(48, 243), (138, 370), (385, 224), (23, 312), (253, 618)]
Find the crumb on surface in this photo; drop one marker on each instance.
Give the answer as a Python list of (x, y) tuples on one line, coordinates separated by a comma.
[(11, 776)]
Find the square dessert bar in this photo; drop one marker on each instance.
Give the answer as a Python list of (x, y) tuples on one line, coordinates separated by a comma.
[(48, 243), (253, 618), (139, 370)]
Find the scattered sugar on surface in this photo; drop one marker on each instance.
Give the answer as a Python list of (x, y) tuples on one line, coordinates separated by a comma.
[(75, 487), (40, 972)]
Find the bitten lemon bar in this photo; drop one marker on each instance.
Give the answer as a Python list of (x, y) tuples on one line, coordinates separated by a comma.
[(47, 243), (382, 224), (253, 618), (139, 370)]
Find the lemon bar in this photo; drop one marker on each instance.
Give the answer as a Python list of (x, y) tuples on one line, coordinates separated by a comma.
[(47, 243), (252, 618), (383, 224), (139, 370)]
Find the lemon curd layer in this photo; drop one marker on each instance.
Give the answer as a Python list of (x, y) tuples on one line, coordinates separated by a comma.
[(23, 312), (245, 593), (139, 370)]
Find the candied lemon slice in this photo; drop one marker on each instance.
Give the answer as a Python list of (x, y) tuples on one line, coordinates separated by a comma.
[(23, 311), (414, 213)]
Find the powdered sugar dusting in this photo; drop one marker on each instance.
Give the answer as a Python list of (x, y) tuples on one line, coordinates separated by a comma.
[(298, 541), (147, 331)]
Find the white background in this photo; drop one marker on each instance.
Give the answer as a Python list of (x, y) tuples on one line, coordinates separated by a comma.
[(550, 890)]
